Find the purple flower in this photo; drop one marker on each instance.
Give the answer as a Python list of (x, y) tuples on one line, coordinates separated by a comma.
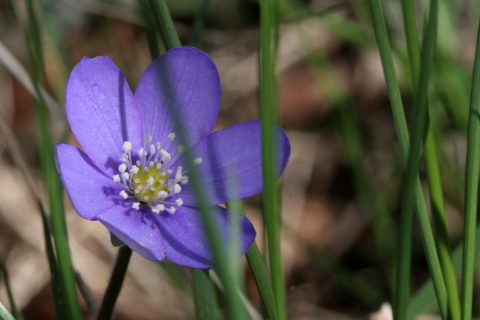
[(132, 177)]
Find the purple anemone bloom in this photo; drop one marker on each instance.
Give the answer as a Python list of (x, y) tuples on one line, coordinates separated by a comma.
[(131, 176)]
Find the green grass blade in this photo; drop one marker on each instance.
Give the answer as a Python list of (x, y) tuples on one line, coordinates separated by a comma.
[(433, 171), (52, 181), (234, 308), (204, 296), (164, 23), (262, 280), (472, 173), (422, 302), (405, 233), (6, 280), (269, 116)]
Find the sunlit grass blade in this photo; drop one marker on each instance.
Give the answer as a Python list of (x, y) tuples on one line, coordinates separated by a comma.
[(432, 169), (204, 296), (234, 309), (269, 117), (4, 314), (415, 190), (11, 299), (52, 181), (472, 173)]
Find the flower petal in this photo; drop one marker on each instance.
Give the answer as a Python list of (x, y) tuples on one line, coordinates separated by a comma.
[(186, 241), (102, 111), (179, 237), (183, 80), (231, 165), (90, 191), (137, 229)]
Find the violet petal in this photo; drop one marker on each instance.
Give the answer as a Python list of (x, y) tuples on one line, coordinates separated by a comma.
[(231, 165), (102, 111), (90, 190), (183, 80)]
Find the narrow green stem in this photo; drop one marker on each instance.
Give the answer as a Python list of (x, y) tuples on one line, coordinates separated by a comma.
[(115, 283), (269, 116), (13, 306), (472, 172)]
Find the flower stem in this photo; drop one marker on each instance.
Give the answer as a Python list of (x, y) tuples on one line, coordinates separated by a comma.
[(115, 283)]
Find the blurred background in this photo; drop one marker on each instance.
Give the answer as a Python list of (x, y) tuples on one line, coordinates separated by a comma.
[(342, 185)]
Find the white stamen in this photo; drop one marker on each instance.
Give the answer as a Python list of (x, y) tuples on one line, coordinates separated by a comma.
[(125, 176), (179, 202), (152, 149), (123, 194), (177, 188), (184, 180), (136, 205), (198, 160), (162, 194), (127, 146), (134, 170), (171, 136), (122, 168), (165, 155), (116, 178), (171, 210), (178, 174)]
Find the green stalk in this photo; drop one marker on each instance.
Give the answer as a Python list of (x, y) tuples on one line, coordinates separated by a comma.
[(52, 181), (472, 171), (115, 283), (405, 233), (269, 116), (234, 307), (433, 172)]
